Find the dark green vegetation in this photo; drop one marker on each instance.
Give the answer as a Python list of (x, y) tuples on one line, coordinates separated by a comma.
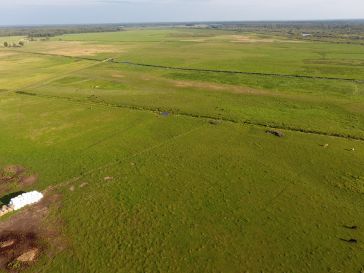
[(340, 31), (201, 187), (50, 31)]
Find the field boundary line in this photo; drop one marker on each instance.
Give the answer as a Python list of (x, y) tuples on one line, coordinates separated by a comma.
[(201, 70), (200, 116), (239, 72)]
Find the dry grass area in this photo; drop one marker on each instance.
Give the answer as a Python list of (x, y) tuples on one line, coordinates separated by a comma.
[(219, 87), (74, 48), (250, 39), (120, 76), (6, 53), (255, 39), (194, 40)]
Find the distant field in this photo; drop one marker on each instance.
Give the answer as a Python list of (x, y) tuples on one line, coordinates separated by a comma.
[(235, 51), (162, 170)]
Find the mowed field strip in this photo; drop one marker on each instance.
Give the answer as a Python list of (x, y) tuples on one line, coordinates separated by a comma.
[(172, 170)]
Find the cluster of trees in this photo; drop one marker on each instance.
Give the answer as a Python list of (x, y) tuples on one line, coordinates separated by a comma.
[(19, 44), (50, 31), (341, 31)]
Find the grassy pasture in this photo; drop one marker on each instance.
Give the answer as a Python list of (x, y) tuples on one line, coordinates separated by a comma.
[(187, 195), (283, 58), (19, 70), (227, 51), (254, 195), (143, 35), (118, 85)]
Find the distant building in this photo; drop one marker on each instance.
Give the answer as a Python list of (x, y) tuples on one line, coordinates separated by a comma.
[(306, 34)]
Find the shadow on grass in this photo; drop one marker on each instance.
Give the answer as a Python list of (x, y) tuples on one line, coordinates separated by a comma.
[(6, 198)]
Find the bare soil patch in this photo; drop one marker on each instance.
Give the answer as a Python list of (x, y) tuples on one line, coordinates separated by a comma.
[(15, 174), (120, 76), (8, 175), (28, 256), (29, 180), (26, 236), (13, 170), (24, 249)]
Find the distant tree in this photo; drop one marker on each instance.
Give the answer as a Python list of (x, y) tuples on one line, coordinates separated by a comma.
[(6, 44)]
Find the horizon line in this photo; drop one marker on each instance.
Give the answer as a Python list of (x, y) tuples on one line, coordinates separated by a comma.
[(186, 22)]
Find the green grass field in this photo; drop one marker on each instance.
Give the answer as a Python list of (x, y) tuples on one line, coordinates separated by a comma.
[(202, 188)]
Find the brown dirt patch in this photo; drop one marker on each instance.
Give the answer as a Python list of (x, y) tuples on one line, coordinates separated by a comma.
[(29, 180), (15, 174), (18, 255), (28, 256), (10, 174), (120, 76), (27, 235), (13, 170)]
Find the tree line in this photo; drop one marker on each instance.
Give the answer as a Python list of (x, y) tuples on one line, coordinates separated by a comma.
[(12, 44), (51, 31)]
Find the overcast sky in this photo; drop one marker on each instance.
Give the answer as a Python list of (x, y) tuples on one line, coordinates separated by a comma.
[(19, 12)]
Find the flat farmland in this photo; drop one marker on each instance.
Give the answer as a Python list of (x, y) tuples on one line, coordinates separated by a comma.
[(162, 169)]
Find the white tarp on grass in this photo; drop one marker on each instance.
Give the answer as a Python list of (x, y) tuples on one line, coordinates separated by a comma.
[(25, 199)]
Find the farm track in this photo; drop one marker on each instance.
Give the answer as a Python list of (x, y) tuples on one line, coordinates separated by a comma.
[(199, 116), (201, 70)]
